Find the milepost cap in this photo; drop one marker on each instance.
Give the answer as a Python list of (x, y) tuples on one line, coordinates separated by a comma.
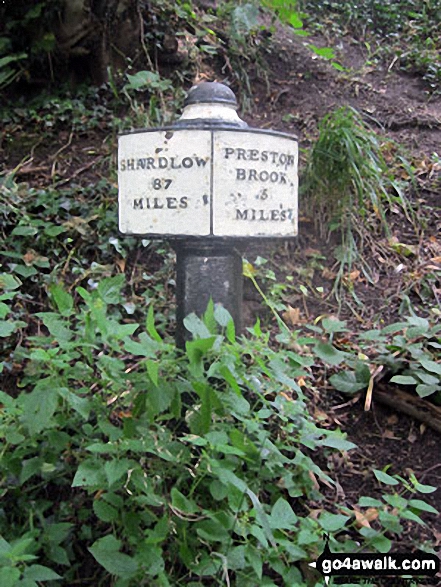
[(209, 93)]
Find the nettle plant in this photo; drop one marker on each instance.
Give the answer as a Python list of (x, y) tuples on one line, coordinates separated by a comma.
[(127, 462)]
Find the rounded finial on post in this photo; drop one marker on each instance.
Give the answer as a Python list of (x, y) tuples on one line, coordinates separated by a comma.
[(210, 104)]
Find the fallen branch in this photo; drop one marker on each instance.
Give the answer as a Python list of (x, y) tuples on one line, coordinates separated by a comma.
[(413, 406)]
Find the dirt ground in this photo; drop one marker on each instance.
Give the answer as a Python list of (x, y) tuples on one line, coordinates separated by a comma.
[(397, 105)]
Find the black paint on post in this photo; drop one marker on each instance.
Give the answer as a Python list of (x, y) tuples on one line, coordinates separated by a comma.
[(207, 271)]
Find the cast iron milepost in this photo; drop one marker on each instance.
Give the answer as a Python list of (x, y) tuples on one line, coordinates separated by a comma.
[(208, 183)]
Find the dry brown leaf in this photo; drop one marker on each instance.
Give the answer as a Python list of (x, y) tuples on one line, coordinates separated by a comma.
[(363, 519), (328, 274), (292, 316)]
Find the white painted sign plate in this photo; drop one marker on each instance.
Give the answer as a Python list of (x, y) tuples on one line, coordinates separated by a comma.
[(220, 182)]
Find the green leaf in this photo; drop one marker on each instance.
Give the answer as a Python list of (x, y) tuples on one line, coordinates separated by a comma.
[(8, 282), (58, 328), (150, 325), (40, 573), (104, 511), (63, 300), (182, 503), (370, 502), (282, 516), (23, 230), (331, 325), (115, 469), (106, 553), (325, 52), (346, 382), (425, 390), (196, 326), (82, 405), (295, 21), (385, 478), (89, 474), (332, 522), (7, 328), (39, 406), (431, 366), (109, 288), (381, 543), (337, 442), (328, 353), (422, 506), (153, 370), (9, 577), (404, 380), (212, 531), (408, 515)]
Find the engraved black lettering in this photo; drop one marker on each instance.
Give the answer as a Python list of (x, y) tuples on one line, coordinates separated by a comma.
[(252, 175), (282, 177), (241, 215), (264, 156), (162, 163), (131, 164), (172, 203), (183, 202), (228, 151), (253, 216), (205, 200), (290, 162), (150, 163), (122, 165), (274, 215), (241, 154), (138, 204), (263, 215), (263, 175), (274, 177), (282, 215), (201, 162), (254, 154), (140, 164), (157, 205), (274, 155), (240, 174), (173, 166), (282, 159), (187, 162), (290, 213)]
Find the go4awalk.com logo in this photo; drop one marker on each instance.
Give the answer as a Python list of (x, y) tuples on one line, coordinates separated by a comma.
[(417, 564)]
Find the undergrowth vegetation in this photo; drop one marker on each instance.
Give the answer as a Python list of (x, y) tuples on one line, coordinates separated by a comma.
[(403, 32), (126, 462)]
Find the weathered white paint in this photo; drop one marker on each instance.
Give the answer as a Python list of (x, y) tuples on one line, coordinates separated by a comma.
[(164, 182), (254, 184), (211, 111), (233, 183)]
